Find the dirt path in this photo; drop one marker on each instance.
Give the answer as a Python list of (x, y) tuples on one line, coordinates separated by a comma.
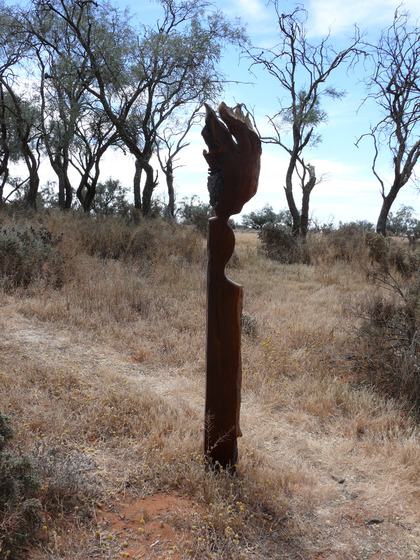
[(350, 497)]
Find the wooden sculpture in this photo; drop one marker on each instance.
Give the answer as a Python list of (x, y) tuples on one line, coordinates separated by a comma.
[(234, 166)]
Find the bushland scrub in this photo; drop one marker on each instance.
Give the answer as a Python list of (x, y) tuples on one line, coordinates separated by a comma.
[(102, 377)]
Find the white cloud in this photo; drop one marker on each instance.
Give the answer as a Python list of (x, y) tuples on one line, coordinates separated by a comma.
[(251, 9), (341, 16)]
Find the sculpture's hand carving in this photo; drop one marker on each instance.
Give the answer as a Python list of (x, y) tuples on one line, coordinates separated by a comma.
[(233, 158)]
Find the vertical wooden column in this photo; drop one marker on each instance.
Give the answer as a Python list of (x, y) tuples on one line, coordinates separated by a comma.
[(233, 180), (223, 351)]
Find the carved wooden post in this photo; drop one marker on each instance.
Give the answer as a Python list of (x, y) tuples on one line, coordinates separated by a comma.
[(234, 165)]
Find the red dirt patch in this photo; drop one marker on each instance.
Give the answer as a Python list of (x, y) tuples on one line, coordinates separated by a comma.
[(146, 527)]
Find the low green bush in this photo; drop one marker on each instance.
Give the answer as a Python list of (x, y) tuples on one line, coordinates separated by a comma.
[(6, 430), (28, 254), (195, 213), (278, 244)]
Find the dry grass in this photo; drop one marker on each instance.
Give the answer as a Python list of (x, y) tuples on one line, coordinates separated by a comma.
[(104, 381)]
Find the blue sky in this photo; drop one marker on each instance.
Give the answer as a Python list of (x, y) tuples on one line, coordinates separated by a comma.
[(350, 191)]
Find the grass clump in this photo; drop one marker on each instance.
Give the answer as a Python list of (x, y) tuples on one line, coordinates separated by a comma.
[(145, 242)]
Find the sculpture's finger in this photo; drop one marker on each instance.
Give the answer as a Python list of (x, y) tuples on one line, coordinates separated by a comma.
[(216, 135), (239, 125)]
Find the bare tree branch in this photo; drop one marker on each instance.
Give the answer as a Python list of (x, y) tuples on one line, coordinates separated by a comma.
[(394, 85)]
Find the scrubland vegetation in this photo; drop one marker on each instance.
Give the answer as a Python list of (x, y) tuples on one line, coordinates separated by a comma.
[(102, 372)]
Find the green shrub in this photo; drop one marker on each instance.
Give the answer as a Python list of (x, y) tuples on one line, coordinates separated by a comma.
[(65, 476), (27, 255), (195, 213), (378, 248), (20, 510), (279, 244), (404, 260), (110, 198), (259, 218), (347, 242), (403, 222), (65, 479), (390, 254), (6, 430), (18, 480)]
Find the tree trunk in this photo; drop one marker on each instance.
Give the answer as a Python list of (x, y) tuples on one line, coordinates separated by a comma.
[(89, 184), (148, 189), (68, 194), (86, 194), (290, 198), (387, 202), (136, 185), (170, 209), (65, 192), (90, 195), (306, 193), (4, 164), (61, 189), (4, 174), (30, 199)]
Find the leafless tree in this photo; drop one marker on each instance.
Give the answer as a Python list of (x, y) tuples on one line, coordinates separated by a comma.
[(394, 85), (302, 70)]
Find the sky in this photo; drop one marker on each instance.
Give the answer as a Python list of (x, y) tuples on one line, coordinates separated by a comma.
[(349, 190)]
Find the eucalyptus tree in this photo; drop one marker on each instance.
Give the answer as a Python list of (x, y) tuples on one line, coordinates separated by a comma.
[(180, 58), (94, 135), (19, 109), (23, 117), (62, 94), (8, 58), (76, 131), (394, 85), (144, 74), (9, 150), (302, 70)]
